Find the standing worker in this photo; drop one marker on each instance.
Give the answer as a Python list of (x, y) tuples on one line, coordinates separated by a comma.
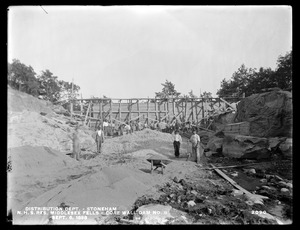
[(99, 138), (76, 145), (176, 143), (105, 127), (195, 140), (127, 128)]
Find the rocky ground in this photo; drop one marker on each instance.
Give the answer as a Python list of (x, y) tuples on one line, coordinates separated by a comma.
[(42, 174)]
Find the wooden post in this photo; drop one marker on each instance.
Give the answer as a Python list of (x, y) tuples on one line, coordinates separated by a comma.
[(138, 107), (110, 112), (173, 104), (101, 110), (148, 112), (155, 105), (159, 104), (197, 112), (185, 115), (192, 110), (130, 105), (87, 113), (168, 112), (71, 105), (202, 109), (81, 106), (120, 113)]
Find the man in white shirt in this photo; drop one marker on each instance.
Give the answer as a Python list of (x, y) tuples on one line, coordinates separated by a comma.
[(195, 140), (99, 139), (127, 128), (176, 143), (105, 127)]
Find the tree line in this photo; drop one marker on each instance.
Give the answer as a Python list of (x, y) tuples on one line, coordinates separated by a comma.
[(244, 80), (251, 81), (45, 85)]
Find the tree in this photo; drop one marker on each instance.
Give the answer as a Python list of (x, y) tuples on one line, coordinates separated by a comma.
[(191, 94), (50, 87), (168, 91), (206, 95), (284, 71), (22, 77), (66, 90)]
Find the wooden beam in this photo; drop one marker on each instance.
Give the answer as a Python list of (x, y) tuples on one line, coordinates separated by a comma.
[(204, 128), (119, 121), (157, 121), (136, 117), (227, 103), (165, 116), (233, 166)]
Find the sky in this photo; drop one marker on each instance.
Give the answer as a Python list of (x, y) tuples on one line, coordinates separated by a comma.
[(129, 51)]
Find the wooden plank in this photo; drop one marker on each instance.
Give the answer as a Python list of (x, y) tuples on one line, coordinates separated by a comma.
[(233, 166), (249, 195), (230, 180)]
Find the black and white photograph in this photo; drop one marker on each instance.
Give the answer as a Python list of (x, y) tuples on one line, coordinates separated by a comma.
[(149, 115)]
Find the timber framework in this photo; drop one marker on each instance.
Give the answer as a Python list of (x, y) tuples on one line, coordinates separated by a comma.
[(196, 111)]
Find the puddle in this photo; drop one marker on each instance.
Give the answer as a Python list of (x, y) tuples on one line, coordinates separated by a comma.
[(248, 183)]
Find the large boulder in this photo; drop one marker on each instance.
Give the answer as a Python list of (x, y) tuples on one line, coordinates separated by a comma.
[(215, 144), (286, 147), (269, 113), (238, 146), (222, 119)]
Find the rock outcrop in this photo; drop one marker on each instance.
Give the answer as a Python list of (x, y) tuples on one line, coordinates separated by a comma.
[(269, 113), (238, 146)]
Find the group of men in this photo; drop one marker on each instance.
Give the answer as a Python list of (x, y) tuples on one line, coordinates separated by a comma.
[(128, 128), (197, 147)]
